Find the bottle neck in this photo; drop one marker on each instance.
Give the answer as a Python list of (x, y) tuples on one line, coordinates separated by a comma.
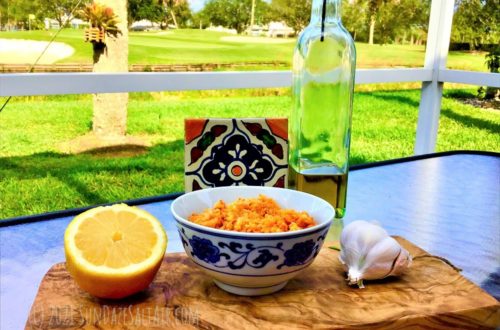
[(325, 11)]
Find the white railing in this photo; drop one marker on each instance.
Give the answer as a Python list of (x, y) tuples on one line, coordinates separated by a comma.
[(81, 83), (433, 75)]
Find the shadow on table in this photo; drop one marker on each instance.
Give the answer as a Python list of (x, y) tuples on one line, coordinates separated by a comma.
[(492, 284)]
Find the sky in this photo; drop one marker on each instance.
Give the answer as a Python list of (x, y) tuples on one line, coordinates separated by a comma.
[(196, 5)]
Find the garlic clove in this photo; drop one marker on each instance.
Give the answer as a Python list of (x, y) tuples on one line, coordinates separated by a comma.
[(386, 250), (368, 252), (385, 268), (364, 238), (377, 263), (355, 243), (403, 262)]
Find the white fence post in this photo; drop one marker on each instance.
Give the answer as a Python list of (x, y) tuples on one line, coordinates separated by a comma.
[(438, 42)]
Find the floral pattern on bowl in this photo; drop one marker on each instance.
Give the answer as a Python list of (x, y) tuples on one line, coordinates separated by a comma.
[(236, 256)]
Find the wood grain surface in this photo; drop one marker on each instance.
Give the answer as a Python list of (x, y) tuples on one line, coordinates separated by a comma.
[(432, 295)]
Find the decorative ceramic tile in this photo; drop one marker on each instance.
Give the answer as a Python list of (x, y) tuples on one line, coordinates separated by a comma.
[(236, 152)]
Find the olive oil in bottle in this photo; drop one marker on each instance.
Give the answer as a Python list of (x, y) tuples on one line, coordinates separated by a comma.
[(330, 187), (320, 123)]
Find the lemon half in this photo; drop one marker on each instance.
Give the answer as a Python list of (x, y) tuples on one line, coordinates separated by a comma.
[(114, 251)]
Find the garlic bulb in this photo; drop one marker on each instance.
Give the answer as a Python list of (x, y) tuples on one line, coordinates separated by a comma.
[(369, 253)]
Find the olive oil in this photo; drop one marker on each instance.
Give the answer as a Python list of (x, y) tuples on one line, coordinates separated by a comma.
[(330, 187)]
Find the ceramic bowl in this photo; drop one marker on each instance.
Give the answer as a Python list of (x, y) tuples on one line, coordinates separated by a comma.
[(251, 264)]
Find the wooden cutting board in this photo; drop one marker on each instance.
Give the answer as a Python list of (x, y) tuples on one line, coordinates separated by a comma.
[(432, 295)]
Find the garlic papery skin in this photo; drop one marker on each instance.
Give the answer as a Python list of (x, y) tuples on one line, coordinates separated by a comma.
[(369, 253)]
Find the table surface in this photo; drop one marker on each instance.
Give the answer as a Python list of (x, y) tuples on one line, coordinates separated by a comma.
[(448, 205)]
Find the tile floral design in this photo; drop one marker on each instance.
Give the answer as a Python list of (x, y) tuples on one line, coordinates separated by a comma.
[(228, 152)]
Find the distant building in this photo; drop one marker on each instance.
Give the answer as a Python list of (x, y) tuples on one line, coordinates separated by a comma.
[(279, 29), (76, 23), (144, 25), (50, 23), (53, 24), (221, 29), (256, 30)]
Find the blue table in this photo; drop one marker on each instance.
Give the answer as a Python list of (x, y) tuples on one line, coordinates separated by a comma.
[(448, 204)]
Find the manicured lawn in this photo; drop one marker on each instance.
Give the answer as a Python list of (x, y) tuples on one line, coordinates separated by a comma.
[(195, 46), (36, 177)]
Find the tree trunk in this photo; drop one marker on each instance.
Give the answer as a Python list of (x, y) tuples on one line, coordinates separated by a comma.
[(372, 29), (110, 110), (252, 16), (172, 14), (491, 93), (59, 17), (173, 18)]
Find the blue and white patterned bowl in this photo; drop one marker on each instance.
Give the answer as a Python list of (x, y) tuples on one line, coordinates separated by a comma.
[(251, 264)]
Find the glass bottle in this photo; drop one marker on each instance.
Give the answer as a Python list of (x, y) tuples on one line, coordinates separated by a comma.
[(320, 124)]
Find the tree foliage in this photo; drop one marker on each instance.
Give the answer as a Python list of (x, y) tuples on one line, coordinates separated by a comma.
[(354, 17), (234, 14), (151, 10), (160, 11), (402, 21), (493, 64), (16, 12), (296, 13), (406, 21), (57, 9), (394, 20), (181, 10), (476, 22)]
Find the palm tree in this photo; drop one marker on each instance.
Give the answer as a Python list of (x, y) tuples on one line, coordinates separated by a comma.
[(373, 7), (169, 7), (110, 110)]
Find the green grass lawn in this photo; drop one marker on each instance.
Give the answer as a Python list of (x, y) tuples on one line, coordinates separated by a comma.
[(36, 177), (195, 46)]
